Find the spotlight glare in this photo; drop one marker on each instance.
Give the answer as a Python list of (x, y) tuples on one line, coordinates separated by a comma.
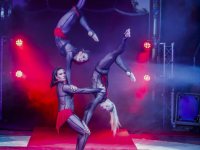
[(147, 78), (18, 74), (19, 42), (147, 45)]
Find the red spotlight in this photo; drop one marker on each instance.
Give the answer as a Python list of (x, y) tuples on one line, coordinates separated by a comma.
[(147, 78), (18, 74), (19, 42), (147, 45)]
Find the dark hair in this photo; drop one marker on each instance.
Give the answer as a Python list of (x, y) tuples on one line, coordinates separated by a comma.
[(86, 52), (53, 79)]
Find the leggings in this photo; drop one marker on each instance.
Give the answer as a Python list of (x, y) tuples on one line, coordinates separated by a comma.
[(103, 67), (67, 21), (75, 123)]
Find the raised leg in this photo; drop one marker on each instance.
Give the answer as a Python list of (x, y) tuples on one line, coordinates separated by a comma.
[(111, 57), (80, 4)]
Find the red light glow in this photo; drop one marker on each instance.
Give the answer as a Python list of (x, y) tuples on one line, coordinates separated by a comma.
[(147, 78), (147, 45), (18, 74), (19, 42)]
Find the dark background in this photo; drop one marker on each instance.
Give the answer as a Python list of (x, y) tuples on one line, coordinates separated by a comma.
[(29, 101)]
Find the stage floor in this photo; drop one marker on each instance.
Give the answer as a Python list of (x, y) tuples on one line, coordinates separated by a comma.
[(46, 138), (103, 139)]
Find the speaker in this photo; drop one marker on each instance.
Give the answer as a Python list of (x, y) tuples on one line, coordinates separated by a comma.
[(187, 110)]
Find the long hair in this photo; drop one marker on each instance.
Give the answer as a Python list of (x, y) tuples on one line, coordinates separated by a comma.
[(53, 79), (114, 120)]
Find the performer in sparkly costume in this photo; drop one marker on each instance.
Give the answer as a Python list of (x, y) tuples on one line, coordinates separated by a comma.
[(100, 76), (66, 106), (63, 44)]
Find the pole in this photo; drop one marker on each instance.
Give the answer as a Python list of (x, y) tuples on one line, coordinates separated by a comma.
[(155, 40)]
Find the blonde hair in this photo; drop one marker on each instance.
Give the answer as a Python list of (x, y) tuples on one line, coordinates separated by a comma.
[(114, 120)]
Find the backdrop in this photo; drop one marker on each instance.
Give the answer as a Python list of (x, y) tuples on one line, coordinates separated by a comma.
[(29, 101)]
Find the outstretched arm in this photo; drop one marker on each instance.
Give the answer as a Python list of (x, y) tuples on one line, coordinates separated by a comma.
[(121, 64), (83, 21), (66, 88), (91, 33), (69, 57)]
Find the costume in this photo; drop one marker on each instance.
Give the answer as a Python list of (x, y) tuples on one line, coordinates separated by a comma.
[(62, 29), (66, 110), (100, 76)]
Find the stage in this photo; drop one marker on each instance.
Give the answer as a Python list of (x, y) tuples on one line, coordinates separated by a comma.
[(46, 138), (161, 55)]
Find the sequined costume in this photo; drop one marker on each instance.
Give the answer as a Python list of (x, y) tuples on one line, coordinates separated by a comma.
[(100, 76), (66, 111)]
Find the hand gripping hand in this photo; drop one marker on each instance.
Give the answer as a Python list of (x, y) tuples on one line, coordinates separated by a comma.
[(73, 88), (103, 89)]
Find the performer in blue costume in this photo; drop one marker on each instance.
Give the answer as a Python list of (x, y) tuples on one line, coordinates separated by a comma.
[(66, 106), (63, 44), (100, 76)]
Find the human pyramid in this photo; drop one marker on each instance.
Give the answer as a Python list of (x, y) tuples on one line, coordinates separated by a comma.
[(61, 78)]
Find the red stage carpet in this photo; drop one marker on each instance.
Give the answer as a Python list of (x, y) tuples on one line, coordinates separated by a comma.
[(47, 137)]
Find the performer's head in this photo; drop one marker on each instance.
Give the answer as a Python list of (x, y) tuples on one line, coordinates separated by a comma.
[(58, 75), (82, 56), (109, 106)]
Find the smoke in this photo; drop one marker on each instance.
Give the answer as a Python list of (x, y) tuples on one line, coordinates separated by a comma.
[(20, 3), (179, 25), (134, 101)]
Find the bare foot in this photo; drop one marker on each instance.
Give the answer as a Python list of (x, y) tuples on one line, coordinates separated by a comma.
[(127, 33)]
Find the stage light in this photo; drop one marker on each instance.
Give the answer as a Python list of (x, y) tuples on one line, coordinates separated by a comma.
[(147, 78), (2, 12), (147, 45), (19, 42), (18, 74)]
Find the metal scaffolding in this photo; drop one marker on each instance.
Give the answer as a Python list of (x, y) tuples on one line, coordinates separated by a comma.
[(5, 12), (3, 40), (168, 74), (1, 65)]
